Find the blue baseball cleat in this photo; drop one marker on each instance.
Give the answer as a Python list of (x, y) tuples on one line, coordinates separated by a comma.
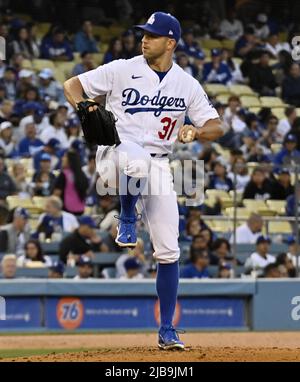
[(168, 339), (126, 236)]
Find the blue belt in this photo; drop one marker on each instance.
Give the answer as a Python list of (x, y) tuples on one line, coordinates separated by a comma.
[(158, 155)]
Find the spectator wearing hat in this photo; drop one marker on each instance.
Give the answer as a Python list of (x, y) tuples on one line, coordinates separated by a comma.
[(249, 232), (259, 259), (49, 88), (198, 267), (9, 83), (84, 40), (188, 45), (285, 125), (44, 179), (261, 77), (136, 253), (56, 130), (114, 50), (85, 268), (71, 184), (73, 130), (57, 48), (54, 220), (56, 270), (216, 71), (292, 250), (219, 179), (289, 153), (52, 148), (291, 85), (7, 141), (133, 269), (13, 236), (260, 27), (7, 185), (108, 207), (30, 144), (25, 81), (8, 266), (231, 28), (84, 240), (85, 65), (33, 256)]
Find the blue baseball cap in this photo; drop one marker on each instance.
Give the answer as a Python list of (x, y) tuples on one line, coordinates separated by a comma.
[(290, 138), (216, 52), (45, 156), (87, 220), (162, 24), (73, 122), (54, 143), (263, 239), (58, 267), (84, 260), (21, 212), (77, 145), (131, 263)]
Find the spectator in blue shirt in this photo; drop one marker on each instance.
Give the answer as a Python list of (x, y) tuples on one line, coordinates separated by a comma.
[(114, 51), (247, 43), (216, 71), (187, 43), (290, 207), (30, 144), (84, 40), (288, 154), (52, 148), (57, 48), (85, 65), (219, 180), (198, 267)]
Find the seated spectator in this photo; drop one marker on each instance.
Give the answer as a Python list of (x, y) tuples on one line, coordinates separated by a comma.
[(289, 153), (291, 204), (187, 44), (85, 268), (19, 176), (249, 231), (109, 241), (292, 251), (193, 228), (6, 109), (7, 185), (108, 207), (133, 269), (296, 131), (261, 188), (49, 88), (8, 267), (216, 71), (71, 184), (261, 258), (85, 65), (84, 240), (52, 149), (129, 44), (56, 130), (54, 220), (57, 48), (269, 134), (44, 179), (183, 62), (114, 50), (261, 77), (273, 46), (7, 142), (247, 43), (25, 88), (24, 44), (136, 253), (56, 270), (30, 144), (84, 40), (221, 253), (261, 28), (242, 177), (234, 67), (198, 267), (219, 179), (285, 261), (8, 82), (291, 86), (271, 271), (284, 182), (225, 271), (231, 28), (285, 125), (73, 130), (14, 235), (33, 256)]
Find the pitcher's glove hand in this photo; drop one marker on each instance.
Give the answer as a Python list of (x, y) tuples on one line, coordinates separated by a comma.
[(98, 124)]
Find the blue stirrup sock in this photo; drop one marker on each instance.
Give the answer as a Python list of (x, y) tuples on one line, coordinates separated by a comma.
[(166, 286), (128, 199)]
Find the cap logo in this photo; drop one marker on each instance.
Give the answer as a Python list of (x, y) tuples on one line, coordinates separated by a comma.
[(171, 32), (151, 19)]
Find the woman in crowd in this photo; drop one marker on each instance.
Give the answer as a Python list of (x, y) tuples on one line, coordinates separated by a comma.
[(33, 254)]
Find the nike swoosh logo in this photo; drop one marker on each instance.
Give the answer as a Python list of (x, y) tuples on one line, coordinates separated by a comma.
[(135, 77)]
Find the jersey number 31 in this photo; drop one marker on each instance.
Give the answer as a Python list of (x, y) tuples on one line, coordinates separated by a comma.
[(168, 128)]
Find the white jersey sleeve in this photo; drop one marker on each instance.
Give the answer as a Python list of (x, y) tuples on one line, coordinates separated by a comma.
[(99, 81), (200, 109)]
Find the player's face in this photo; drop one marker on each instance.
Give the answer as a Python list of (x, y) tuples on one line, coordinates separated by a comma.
[(154, 46)]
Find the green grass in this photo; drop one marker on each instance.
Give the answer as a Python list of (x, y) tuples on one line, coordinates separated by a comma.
[(14, 353)]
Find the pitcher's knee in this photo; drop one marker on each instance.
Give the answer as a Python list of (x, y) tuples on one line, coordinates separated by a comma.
[(167, 257), (138, 167)]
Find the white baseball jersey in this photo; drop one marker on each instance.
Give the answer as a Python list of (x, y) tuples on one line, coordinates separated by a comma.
[(149, 112)]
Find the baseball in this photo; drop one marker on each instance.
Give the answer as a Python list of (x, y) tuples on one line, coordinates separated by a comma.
[(188, 137)]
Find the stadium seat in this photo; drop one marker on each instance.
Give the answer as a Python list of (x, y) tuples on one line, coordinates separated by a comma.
[(241, 212), (271, 102), (298, 111), (33, 223), (211, 43), (216, 89), (103, 47), (281, 227), (32, 272), (254, 110), (65, 67), (241, 90), (258, 206), (279, 112), (115, 30), (40, 201), (223, 98), (77, 58), (228, 44), (39, 64), (221, 226), (98, 58), (109, 272), (277, 205), (237, 60), (27, 162), (59, 75), (239, 196), (27, 64), (276, 147), (250, 101)]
